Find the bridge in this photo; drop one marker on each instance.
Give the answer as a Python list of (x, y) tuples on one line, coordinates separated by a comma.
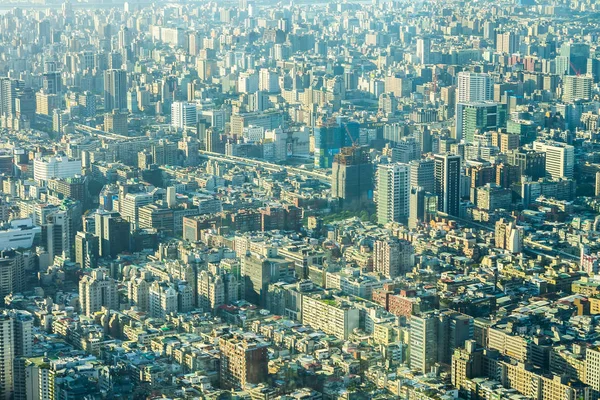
[(251, 162)]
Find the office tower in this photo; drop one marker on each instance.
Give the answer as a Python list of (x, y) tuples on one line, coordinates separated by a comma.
[(507, 42), (474, 87), (530, 162), (86, 250), (57, 231), (96, 291), (424, 50), (477, 117), (115, 90), (7, 96), (393, 257), (162, 299), (52, 82), (113, 234), (352, 177), (447, 183), (423, 207), (576, 55), (24, 104), (577, 88), (508, 236), (421, 174), (46, 168), (597, 191), (244, 361), (116, 122), (183, 114), (560, 159), (423, 342), (393, 187)]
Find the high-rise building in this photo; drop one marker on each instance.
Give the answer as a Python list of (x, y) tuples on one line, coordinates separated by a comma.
[(393, 187), (423, 342), (162, 299), (423, 206), (48, 168), (421, 174), (115, 90), (530, 162), (597, 191), (577, 87), (393, 257), (435, 335), (183, 114), (475, 117), (447, 183), (257, 272), (244, 360), (12, 271), (424, 50), (52, 82), (407, 149), (57, 231), (352, 177), (560, 159), (329, 139), (7, 96), (116, 122), (474, 87), (507, 42), (86, 250), (576, 55), (16, 340), (96, 291), (113, 233)]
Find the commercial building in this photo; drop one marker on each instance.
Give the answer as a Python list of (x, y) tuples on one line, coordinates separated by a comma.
[(447, 183), (46, 168)]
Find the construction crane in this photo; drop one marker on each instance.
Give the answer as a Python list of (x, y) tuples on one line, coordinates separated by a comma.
[(577, 72), (354, 143)]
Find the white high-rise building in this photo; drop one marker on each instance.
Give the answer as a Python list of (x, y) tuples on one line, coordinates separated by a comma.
[(55, 167), (424, 50), (474, 87), (560, 159), (393, 189), (183, 114)]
